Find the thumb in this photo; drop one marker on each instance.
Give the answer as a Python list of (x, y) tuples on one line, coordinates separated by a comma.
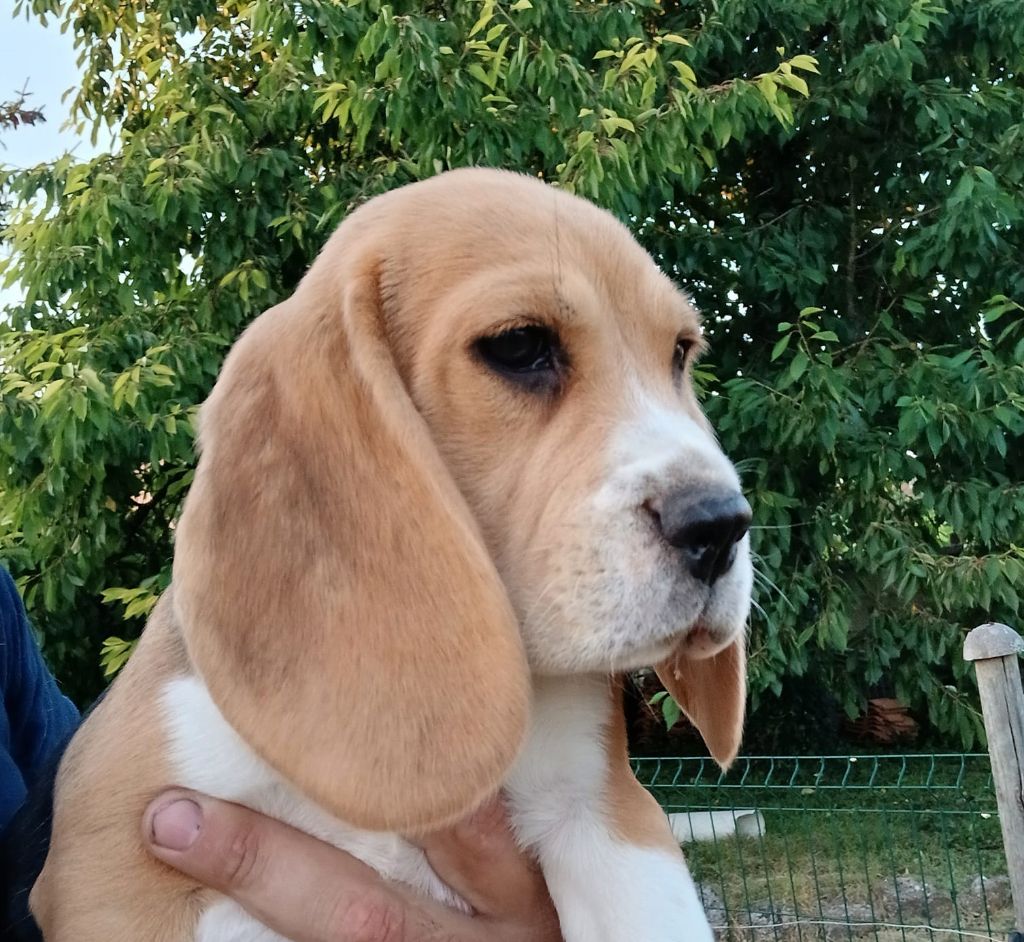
[(300, 887)]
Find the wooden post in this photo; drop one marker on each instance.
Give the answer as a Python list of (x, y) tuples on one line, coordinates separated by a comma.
[(994, 650)]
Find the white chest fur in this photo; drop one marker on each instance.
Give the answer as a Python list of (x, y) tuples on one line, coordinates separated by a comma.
[(210, 757), (605, 890)]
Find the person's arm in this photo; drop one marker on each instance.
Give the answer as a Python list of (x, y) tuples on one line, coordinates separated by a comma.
[(37, 719), (310, 892)]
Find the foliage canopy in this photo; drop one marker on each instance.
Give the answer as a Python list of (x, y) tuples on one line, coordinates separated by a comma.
[(839, 185)]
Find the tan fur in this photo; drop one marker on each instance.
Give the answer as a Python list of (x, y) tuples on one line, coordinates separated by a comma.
[(331, 583), (712, 693), (99, 883), (634, 813), (372, 515)]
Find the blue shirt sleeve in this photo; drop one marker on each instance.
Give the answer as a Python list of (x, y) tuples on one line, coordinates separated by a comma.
[(36, 719)]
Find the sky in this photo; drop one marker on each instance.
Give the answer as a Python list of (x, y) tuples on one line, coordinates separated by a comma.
[(44, 60), (41, 59)]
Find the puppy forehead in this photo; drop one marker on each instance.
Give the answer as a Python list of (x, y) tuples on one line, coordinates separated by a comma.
[(466, 222)]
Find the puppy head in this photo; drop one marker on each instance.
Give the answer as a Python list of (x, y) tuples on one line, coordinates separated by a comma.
[(551, 359), (467, 444)]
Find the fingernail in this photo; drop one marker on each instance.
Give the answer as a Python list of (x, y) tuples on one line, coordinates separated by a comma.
[(177, 825)]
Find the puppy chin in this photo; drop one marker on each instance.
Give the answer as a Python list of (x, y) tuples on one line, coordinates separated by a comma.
[(707, 635), (702, 643), (644, 656)]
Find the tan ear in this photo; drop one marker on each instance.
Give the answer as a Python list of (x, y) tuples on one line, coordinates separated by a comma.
[(712, 692), (332, 586)]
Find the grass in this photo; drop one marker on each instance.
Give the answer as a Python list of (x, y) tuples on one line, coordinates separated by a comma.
[(846, 841)]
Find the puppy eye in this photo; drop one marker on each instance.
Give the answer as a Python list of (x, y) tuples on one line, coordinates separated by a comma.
[(682, 353), (529, 353)]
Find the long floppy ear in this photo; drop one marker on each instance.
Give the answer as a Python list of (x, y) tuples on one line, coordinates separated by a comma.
[(712, 692), (331, 584)]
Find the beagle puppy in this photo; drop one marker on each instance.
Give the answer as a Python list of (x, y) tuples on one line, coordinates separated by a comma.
[(447, 492)]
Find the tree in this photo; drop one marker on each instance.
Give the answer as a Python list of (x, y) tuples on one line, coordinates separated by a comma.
[(839, 186), (14, 113)]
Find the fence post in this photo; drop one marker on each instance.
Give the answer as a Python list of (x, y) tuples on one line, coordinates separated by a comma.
[(994, 649)]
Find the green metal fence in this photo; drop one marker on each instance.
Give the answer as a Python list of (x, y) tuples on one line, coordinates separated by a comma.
[(893, 848)]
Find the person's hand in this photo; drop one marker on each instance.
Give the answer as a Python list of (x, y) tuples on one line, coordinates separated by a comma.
[(308, 891)]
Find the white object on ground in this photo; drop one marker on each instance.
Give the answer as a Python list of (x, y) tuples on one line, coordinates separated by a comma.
[(690, 826)]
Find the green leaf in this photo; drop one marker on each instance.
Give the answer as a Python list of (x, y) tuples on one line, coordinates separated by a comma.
[(486, 15), (804, 62), (798, 366), (780, 346), (685, 72), (671, 712), (796, 83), (480, 74)]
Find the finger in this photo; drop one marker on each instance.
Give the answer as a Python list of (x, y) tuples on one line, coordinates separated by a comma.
[(479, 859), (294, 884)]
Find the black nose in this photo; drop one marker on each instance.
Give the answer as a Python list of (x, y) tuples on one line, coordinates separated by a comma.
[(705, 527)]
